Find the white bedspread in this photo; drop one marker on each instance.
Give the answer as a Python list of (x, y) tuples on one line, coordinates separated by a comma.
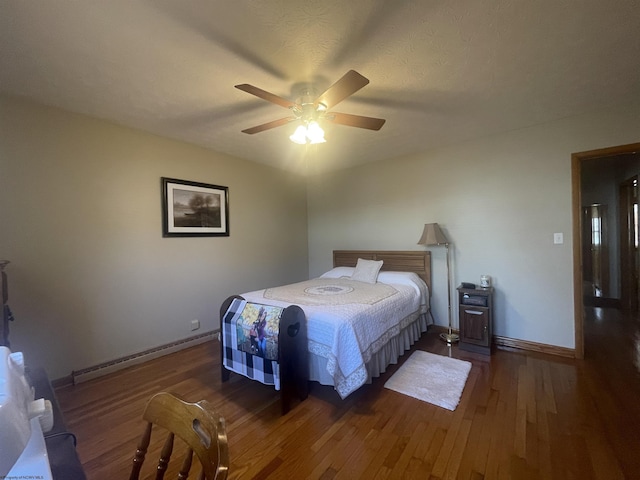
[(348, 334)]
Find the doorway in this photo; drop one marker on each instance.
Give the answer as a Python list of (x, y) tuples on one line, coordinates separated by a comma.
[(605, 230), (595, 253), (628, 192)]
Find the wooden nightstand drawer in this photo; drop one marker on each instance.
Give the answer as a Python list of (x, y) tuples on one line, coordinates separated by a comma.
[(475, 317)]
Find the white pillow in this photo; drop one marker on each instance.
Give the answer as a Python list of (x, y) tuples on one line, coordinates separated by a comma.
[(367, 270), (338, 272), (405, 278)]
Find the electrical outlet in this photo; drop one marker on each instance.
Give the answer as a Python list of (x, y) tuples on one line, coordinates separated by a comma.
[(558, 238), (195, 324)]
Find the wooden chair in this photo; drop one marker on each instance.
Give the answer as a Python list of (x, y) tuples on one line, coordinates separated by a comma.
[(202, 430)]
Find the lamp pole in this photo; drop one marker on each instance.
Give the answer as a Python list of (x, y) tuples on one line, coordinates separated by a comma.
[(449, 337), (433, 235)]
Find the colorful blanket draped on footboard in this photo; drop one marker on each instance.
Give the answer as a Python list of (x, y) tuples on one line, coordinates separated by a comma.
[(250, 341)]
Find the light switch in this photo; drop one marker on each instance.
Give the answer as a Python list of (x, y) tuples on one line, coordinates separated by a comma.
[(558, 238)]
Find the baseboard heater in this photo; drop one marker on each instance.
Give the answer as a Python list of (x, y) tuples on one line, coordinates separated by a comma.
[(79, 376)]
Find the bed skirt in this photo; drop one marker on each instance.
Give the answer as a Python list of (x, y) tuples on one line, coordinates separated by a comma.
[(380, 360)]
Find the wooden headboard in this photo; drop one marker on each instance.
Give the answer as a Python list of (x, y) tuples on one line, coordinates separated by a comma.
[(399, 261)]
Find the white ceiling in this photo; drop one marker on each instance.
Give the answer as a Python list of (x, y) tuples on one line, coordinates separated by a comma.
[(441, 72)]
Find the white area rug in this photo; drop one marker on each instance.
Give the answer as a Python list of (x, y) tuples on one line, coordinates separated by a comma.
[(431, 378)]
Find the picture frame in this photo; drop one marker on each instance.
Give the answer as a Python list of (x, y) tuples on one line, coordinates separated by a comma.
[(194, 209)]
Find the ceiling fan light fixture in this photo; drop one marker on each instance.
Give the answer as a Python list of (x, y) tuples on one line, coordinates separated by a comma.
[(310, 133), (315, 134), (300, 135)]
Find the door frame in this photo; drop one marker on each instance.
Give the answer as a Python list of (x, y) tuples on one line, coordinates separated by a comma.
[(576, 196)]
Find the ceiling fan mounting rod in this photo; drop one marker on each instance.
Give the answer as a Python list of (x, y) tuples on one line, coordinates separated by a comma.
[(306, 93), (305, 103)]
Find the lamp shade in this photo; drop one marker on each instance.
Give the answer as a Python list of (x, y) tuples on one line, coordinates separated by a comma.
[(432, 235)]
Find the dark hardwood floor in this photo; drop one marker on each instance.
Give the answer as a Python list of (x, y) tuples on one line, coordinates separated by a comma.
[(521, 416)]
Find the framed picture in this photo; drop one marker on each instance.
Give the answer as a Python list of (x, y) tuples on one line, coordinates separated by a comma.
[(193, 209)]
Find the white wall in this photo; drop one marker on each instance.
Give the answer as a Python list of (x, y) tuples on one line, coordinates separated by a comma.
[(499, 200), (91, 278)]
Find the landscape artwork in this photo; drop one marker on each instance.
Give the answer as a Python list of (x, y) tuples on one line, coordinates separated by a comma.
[(194, 208)]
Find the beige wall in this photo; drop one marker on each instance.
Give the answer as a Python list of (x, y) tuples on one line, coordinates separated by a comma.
[(91, 278), (499, 200)]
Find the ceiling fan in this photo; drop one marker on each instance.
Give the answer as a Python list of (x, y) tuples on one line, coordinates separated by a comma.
[(309, 109)]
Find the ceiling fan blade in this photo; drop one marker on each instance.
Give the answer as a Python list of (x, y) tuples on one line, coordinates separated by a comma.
[(269, 125), (269, 97), (355, 120), (349, 84)]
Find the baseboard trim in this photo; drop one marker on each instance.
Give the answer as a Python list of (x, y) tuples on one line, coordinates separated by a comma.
[(79, 376), (62, 382), (506, 343)]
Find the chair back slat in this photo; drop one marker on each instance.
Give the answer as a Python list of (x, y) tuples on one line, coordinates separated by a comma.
[(165, 456), (141, 451), (186, 466)]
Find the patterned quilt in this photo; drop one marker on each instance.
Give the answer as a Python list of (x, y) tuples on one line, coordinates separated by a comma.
[(348, 321)]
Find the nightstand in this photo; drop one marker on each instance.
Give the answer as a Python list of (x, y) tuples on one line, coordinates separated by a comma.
[(475, 314)]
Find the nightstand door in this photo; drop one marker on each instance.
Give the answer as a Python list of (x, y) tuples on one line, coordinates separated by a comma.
[(474, 325)]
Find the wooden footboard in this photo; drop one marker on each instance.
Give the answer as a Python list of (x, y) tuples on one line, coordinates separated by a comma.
[(293, 353)]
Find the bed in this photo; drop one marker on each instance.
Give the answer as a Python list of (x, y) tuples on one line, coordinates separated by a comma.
[(356, 327)]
